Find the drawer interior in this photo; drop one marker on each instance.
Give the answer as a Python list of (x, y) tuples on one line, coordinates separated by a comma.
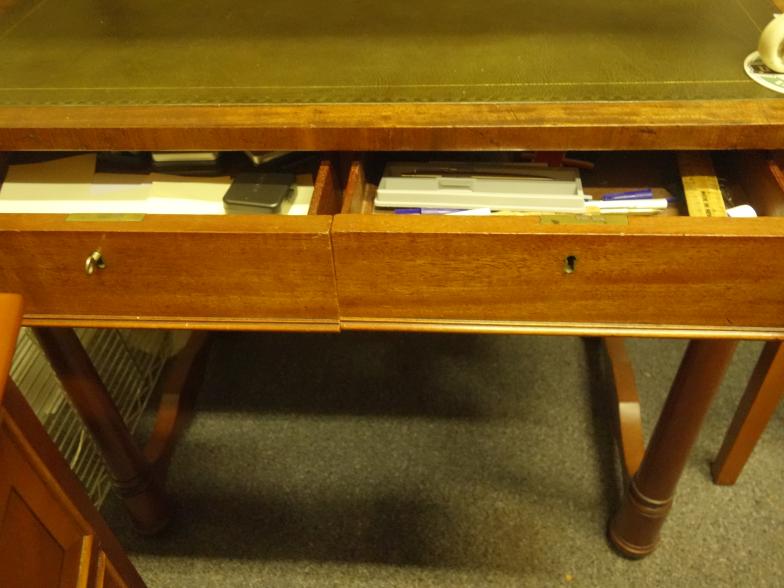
[(316, 190), (745, 177), (754, 178)]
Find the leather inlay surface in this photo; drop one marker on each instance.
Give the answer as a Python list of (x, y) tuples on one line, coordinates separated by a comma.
[(278, 51)]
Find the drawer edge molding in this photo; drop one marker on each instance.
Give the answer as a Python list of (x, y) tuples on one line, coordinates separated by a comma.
[(570, 329), (118, 322)]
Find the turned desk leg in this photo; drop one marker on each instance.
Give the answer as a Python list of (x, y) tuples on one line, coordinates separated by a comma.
[(635, 528), (132, 474), (180, 384), (758, 404)]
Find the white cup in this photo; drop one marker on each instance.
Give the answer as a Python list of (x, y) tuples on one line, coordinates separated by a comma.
[(771, 45)]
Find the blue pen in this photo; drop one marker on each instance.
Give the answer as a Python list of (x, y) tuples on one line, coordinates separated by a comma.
[(632, 195)]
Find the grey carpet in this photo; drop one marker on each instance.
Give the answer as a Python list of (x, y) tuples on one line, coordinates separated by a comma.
[(442, 460)]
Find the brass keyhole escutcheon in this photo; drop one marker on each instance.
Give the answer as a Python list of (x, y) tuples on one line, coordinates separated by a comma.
[(570, 264), (93, 262)]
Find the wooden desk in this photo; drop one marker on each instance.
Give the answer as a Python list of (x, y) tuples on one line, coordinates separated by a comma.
[(616, 76)]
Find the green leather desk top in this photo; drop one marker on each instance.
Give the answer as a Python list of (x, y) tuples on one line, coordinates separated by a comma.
[(153, 52)]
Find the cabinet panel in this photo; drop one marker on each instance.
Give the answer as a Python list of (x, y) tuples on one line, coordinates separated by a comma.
[(50, 533), (24, 543), (107, 576), (42, 543)]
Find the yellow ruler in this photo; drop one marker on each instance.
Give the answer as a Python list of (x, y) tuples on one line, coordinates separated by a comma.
[(703, 194)]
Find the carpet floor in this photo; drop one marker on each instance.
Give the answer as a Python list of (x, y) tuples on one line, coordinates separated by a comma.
[(389, 460)]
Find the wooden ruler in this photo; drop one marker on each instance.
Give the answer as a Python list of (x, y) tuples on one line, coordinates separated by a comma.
[(703, 194)]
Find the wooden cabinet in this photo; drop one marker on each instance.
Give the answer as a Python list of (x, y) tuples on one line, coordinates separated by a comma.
[(108, 576), (51, 536), (42, 541)]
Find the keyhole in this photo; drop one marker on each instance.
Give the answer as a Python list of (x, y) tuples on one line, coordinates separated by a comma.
[(570, 264)]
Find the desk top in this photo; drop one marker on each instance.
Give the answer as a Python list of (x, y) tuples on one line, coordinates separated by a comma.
[(287, 66)]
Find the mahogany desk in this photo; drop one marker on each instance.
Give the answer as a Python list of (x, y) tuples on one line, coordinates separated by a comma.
[(346, 78)]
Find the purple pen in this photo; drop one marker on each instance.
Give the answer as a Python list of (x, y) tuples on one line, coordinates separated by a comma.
[(632, 195), (408, 211)]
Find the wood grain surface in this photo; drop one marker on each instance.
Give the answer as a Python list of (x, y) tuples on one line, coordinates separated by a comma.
[(43, 542), (707, 124), (202, 269), (758, 404), (131, 475), (52, 509), (628, 427), (469, 270), (761, 179), (50, 531), (10, 321), (232, 271), (668, 273), (107, 576), (634, 530)]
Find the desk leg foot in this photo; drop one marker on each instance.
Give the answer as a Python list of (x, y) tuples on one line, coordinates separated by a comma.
[(634, 530), (133, 477)]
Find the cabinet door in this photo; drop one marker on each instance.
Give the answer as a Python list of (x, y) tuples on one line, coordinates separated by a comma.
[(50, 533)]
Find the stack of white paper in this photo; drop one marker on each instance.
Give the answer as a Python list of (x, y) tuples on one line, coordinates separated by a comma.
[(70, 185)]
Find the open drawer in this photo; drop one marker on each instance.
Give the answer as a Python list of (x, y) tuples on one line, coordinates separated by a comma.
[(224, 272), (670, 274)]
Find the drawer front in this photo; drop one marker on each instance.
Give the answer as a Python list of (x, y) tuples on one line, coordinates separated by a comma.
[(278, 274), (388, 273)]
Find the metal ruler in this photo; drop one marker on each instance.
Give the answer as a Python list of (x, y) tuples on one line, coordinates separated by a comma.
[(703, 194)]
